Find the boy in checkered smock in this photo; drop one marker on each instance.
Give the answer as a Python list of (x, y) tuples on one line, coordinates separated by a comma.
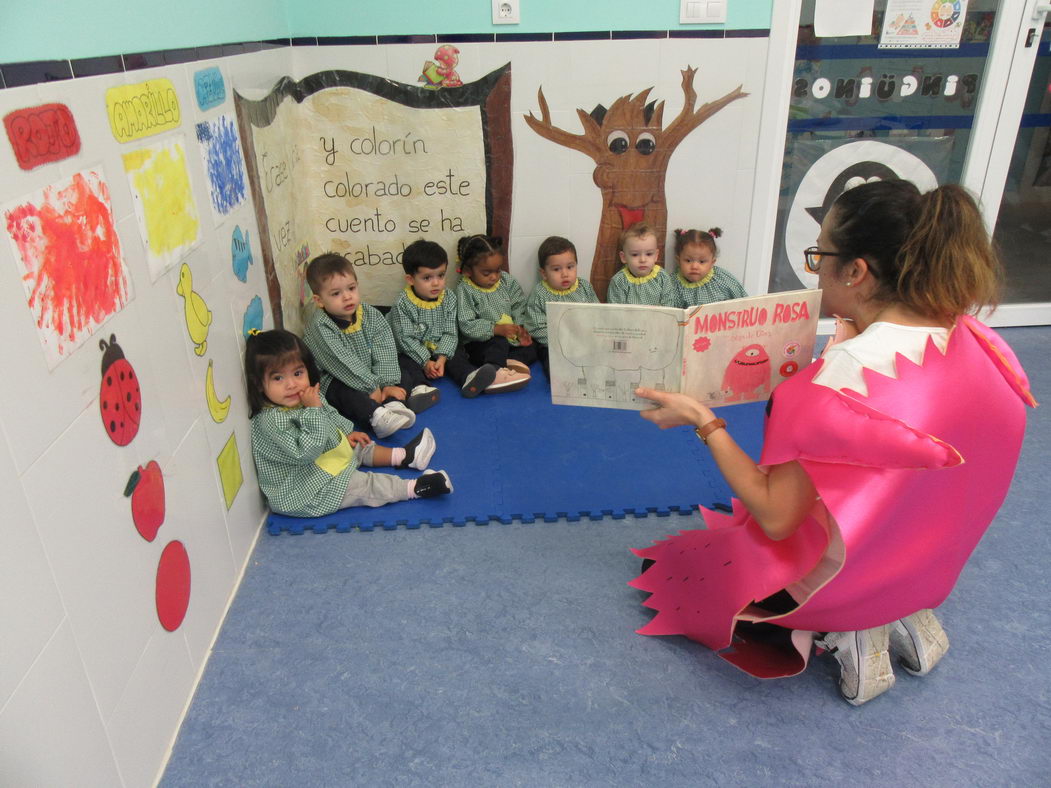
[(699, 280), (306, 454), (490, 309), (353, 345), (641, 280), (423, 320), (558, 282)]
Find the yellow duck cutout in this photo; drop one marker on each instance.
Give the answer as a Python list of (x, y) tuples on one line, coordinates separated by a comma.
[(198, 316)]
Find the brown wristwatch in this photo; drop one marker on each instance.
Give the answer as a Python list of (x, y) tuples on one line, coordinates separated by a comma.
[(709, 428)]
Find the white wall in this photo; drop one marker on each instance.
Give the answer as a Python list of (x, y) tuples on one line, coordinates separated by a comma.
[(92, 687)]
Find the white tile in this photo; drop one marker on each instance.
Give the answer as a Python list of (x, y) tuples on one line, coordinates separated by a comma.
[(144, 722), (30, 606), (365, 59), (50, 730), (104, 570)]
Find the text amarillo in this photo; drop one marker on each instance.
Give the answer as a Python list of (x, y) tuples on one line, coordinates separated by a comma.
[(750, 318)]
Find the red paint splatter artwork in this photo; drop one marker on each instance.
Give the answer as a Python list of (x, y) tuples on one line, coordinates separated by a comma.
[(72, 268)]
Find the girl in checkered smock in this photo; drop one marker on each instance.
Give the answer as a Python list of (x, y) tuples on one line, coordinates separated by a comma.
[(306, 454), (699, 280)]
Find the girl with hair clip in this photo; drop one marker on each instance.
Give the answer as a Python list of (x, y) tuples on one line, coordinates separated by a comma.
[(490, 312), (877, 478), (306, 454), (699, 280)]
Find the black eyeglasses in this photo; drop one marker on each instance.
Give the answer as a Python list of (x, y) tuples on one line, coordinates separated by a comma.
[(812, 258)]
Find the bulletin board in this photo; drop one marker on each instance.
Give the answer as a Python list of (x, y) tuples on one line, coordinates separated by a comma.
[(361, 165)]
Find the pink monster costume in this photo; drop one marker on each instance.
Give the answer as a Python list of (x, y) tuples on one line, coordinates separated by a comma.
[(908, 479)]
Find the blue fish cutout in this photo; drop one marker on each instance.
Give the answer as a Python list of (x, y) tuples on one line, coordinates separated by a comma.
[(253, 316), (241, 252)]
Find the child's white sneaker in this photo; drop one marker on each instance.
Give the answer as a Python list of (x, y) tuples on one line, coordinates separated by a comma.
[(397, 406), (386, 422), (507, 380), (864, 662), (419, 450), (918, 641), (422, 397)]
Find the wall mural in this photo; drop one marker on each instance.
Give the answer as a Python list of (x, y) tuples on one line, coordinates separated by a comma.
[(631, 151), (71, 263), (361, 165)]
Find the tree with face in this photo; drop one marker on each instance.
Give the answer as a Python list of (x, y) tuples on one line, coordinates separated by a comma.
[(631, 152)]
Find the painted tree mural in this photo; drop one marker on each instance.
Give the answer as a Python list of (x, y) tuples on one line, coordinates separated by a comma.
[(631, 152)]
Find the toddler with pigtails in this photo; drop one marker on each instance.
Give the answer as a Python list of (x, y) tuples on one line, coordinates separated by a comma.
[(699, 280)]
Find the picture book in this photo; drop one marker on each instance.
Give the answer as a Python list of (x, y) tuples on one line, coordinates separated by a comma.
[(722, 354)]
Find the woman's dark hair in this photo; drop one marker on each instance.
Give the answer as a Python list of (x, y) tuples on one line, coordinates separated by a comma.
[(472, 248), (265, 350), (929, 252)]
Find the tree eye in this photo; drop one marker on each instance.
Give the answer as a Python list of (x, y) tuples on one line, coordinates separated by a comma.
[(645, 144), (617, 142)]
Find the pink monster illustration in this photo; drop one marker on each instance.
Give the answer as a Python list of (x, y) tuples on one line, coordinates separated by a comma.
[(746, 373), (442, 74), (905, 491)]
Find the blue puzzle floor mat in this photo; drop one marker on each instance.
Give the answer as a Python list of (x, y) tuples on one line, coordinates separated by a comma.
[(516, 456)]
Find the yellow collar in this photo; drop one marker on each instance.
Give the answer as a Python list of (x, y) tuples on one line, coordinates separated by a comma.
[(700, 282), (421, 303), (641, 280), (467, 279), (565, 292), (354, 327)]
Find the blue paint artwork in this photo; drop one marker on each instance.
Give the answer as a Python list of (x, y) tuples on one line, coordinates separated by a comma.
[(253, 316), (210, 88), (221, 149), (241, 252)]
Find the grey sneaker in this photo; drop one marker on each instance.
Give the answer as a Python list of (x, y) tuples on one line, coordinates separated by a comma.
[(918, 641), (422, 397), (399, 407), (864, 662), (386, 422)]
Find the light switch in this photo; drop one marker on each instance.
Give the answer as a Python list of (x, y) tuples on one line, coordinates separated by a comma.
[(702, 12)]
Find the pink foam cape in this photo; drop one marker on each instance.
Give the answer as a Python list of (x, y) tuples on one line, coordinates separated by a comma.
[(908, 478)]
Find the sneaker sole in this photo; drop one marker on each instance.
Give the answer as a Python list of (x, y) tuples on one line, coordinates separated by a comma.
[(418, 403), (511, 385), (478, 381)]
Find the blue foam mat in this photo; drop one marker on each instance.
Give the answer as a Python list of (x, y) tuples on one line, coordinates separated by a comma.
[(515, 456)]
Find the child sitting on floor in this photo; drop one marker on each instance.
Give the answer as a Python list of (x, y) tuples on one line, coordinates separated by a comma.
[(641, 280), (490, 308), (558, 282), (306, 454), (423, 320), (699, 280), (355, 349)]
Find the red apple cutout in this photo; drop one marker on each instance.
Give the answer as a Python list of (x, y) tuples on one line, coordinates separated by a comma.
[(146, 489), (173, 585)]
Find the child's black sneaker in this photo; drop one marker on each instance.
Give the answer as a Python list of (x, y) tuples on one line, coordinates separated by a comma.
[(422, 397), (431, 484), (419, 450), (478, 381)]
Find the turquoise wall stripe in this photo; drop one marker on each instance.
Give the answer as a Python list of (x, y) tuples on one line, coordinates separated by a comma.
[(88, 28)]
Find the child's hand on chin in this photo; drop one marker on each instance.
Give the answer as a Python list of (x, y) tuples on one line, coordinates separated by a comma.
[(311, 397), (358, 439)]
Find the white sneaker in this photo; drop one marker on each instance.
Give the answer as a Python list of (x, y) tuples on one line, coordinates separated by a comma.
[(422, 397), (386, 422), (419, 450), (864, 662), (397, 406), (918, 641), (507, 380)]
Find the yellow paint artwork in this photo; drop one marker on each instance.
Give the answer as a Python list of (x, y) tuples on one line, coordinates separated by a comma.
[(164, 203), (229, 462)]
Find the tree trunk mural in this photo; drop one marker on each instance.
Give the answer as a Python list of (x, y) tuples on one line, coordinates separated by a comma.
[(631, 153)]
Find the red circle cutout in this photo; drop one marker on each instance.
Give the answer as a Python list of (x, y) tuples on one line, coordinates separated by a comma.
[(173, 585)]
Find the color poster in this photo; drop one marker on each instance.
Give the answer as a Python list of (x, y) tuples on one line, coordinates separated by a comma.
[(221, 153), (70, 261), (164, 204), (929, 24)]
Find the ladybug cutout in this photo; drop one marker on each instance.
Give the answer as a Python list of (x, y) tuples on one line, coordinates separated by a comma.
[(120, 401)]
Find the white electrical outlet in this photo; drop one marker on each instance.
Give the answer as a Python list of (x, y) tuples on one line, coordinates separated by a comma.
[(505, 12)]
